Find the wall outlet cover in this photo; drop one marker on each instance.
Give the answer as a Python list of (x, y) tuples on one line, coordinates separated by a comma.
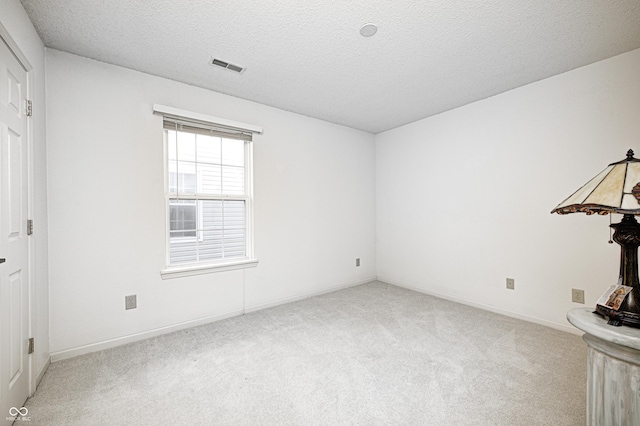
[(511, 283), (130, 302), (577, 295)]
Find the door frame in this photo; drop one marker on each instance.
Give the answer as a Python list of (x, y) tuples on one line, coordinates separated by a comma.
[(5, 36)]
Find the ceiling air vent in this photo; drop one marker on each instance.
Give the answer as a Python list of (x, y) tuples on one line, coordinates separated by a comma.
[(226, 65)]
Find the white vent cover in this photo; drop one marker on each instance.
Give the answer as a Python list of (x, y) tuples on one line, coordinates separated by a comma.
[(226, 65)]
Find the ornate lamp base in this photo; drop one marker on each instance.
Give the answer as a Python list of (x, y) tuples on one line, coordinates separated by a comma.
[(627, 234)]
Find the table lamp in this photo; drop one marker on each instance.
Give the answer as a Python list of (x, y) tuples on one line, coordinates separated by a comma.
[(616, 190)]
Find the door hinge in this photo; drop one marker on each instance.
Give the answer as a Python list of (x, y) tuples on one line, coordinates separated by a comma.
[(29, 108), (29, 226), (31, 345)]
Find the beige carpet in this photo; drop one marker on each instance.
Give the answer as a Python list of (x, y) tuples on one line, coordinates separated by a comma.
[(374, 354)]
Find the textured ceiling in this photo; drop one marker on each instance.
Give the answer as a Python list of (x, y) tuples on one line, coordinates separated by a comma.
[(308, 56)]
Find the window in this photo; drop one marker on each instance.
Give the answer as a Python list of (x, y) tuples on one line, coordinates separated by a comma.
[(208, 194)]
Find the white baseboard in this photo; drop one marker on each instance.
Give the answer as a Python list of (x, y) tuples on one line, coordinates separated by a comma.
[(307, 295), (118, 341), (550, 324)]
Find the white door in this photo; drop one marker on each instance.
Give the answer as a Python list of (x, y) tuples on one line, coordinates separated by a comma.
[(14, 246)]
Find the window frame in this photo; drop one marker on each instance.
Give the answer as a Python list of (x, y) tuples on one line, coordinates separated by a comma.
[(205, 267)]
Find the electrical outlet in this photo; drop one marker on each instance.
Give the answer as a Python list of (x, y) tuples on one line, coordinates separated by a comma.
[(357, 261), (511, 283), (577, 295), (130, 302)]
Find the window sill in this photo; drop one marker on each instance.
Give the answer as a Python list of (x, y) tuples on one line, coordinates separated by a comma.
[(188, 270)]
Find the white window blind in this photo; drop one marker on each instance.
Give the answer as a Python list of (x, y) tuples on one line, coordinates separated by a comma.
[(208, 191)]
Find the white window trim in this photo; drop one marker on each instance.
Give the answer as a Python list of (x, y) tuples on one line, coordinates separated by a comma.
[(250, 261), (189, 270)]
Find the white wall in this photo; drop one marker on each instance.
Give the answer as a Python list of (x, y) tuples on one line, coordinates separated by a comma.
[(314, 207), (457, 202), (463, 198), (15, 21)]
